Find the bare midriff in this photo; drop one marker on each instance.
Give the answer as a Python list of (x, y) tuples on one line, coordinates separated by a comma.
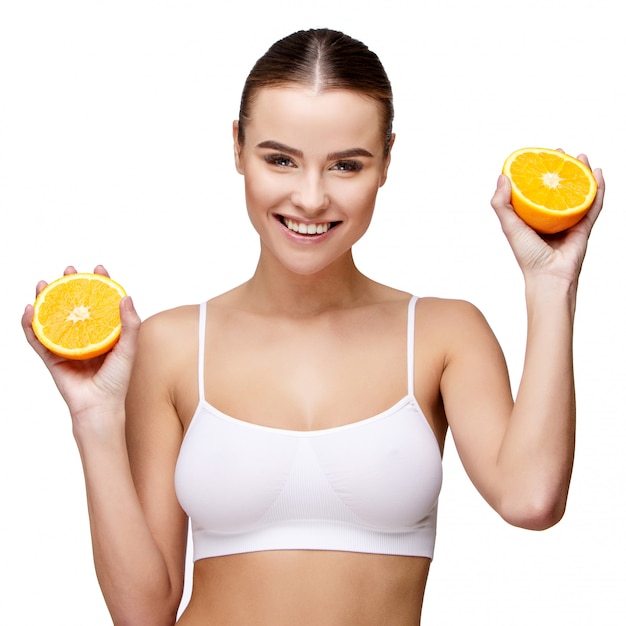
[(287, 587)]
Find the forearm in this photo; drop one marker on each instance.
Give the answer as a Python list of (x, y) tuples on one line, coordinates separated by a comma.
[(131, 570), (536, 456)]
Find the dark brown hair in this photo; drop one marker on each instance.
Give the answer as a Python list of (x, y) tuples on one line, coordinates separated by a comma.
[(323, 59)]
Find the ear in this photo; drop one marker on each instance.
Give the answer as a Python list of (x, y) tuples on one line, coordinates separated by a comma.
[(383, 178), (237, 147)]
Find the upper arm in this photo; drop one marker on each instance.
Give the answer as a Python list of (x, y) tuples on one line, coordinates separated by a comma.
[(476, 393), (154, 435)]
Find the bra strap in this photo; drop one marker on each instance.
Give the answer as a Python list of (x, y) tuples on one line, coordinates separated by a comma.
[(410, 346), (201, 347)]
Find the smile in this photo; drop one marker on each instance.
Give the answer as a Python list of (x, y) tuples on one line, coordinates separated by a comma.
[(307, 229)]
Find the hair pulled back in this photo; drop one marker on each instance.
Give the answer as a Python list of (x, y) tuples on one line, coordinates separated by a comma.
[(322, 59)]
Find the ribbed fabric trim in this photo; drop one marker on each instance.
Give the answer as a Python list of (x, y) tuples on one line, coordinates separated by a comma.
[(327, 535)]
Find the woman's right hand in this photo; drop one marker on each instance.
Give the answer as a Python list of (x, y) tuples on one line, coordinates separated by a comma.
[(96, 385)]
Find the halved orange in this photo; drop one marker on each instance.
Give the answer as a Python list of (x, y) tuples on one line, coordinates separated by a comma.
[(550, 190), (77, 316)]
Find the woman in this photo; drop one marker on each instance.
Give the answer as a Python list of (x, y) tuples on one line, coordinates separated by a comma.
[(299, 419)]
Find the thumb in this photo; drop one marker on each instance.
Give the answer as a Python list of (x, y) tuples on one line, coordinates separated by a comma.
[(114, 376), (501, 202), (131, 324)]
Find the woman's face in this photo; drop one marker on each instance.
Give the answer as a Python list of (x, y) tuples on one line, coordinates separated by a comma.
[(313, 164)]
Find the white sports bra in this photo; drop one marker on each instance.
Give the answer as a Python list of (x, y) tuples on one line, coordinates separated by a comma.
[(370, 486)]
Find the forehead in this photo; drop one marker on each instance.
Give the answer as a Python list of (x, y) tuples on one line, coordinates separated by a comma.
[(297, 116)]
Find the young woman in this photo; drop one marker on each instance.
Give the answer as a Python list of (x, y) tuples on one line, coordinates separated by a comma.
[(299, 419)]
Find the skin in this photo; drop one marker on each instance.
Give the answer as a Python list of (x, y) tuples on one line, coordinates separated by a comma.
[(306, 160)]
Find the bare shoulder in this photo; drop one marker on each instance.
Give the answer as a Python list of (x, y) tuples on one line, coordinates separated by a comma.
[(449, 315), (455, 330), (448, 328), (470, 354), (168, 331), (448, 306), (171, 320), (167, 341)]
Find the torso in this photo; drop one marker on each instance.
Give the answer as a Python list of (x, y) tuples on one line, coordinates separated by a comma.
[(310, 358), (283, 588), (315, 394)]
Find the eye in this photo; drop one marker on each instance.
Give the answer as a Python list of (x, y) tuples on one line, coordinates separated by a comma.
[(348, 166), (280, 160)]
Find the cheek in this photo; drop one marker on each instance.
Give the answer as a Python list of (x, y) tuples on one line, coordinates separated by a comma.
[(359, 197), (254, 204), (263, 192)]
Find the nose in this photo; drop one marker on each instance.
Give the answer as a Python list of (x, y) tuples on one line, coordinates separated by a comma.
[(310, 194)]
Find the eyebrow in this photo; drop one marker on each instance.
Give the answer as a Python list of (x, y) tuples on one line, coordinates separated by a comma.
[(342, 154), (346, 154)]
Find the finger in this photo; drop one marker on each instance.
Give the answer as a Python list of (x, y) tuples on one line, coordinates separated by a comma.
[(128, 314), (512, 225), (599, 176), (596, 207), (502, 195), (27, 317), (42, 284), (584, 159), (27, 327), (131, 323), (100, 269), (501, 200)]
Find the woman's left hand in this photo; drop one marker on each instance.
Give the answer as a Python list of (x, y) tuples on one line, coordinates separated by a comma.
[(559, 255)]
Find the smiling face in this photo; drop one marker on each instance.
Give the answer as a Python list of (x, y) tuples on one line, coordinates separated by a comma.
[(313, 164)]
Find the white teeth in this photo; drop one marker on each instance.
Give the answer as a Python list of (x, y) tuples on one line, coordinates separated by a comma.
[(306, 229)]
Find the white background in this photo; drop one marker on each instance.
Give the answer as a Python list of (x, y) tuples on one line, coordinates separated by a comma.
[(115, 148)]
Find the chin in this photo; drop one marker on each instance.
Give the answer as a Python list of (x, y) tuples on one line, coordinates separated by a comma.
[(314, 265), (306, 269)]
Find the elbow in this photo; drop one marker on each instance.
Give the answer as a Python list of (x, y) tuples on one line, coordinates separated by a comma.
[(538, 519), (534, 513), (156, 614), (135, 618)]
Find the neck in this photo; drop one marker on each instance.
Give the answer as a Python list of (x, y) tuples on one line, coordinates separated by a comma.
[(275, 289)]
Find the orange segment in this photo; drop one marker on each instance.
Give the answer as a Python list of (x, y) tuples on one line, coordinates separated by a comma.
[(77, 316), (550, 190)]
